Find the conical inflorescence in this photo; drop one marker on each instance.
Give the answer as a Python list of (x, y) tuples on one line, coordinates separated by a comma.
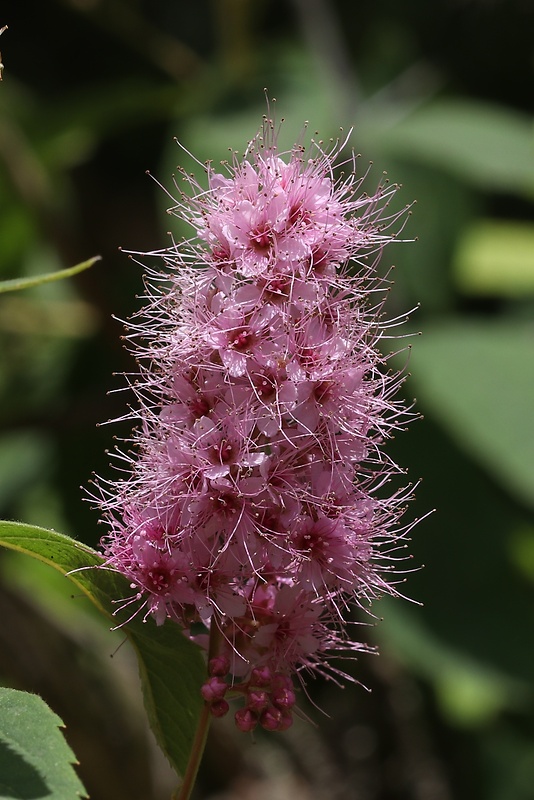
[(255, 510)]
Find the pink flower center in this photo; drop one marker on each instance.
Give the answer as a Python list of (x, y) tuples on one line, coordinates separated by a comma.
[(283, 630), (261, 238), (322, 391), (319, 260), (297, 213), (265, 386), (310, 358), (242, 340), (223, 452), (311, 544), (199, 407), (226, 503), (158, 579), (275, 289)]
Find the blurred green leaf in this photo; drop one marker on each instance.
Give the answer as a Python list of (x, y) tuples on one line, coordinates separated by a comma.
[(172, 668), (475, 601), (496, 258), (509, 763), (96, 111), (35, 759), (17, 231), (470, 692), (521, 547), (443, 209), (36, 280), (24, 456), (477, 378), (40, 316), (487, 145)]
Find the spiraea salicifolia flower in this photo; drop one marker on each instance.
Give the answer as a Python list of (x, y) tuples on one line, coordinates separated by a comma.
[(255, 509)]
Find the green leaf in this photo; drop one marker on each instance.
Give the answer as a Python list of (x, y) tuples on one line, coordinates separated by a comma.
[(483, 144), (471, 586), (469, 691), (172, 671), (496, 258), (35, 759), (521, 548), (477, 378), (24, 458), (171, 667), (36, 280)]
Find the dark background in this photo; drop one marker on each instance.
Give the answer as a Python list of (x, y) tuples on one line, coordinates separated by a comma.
[(440, 95)]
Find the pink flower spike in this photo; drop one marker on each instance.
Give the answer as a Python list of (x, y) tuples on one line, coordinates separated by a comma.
[(254, 505)]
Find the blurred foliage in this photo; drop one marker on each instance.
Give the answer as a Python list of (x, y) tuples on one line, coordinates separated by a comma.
[(440, 96)]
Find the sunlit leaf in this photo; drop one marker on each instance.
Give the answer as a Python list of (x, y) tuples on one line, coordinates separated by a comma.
[(171, 667), (521, 547), (26, 315), (489, 146), (477, 378), (35, 759), (470, 587), (17, 231), (469, 691), (24, 455), (496, 258)]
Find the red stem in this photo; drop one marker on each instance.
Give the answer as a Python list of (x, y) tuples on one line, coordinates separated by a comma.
[(201, 734), (197, 751)]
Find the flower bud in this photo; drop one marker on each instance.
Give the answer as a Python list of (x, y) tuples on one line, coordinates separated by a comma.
[(286, 721), (213, 689), (260, 676), (283, 698), (219, 665), (281, 681), (271, 718), (219, 708), (245, 719), (257, 700)]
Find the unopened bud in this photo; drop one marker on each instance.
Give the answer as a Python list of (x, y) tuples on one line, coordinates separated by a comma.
[(213, 689), (245, 719), (219, 666), (286, 721), (219, 708), (284, 698), (271, 718), (260, 676), (257, 700)]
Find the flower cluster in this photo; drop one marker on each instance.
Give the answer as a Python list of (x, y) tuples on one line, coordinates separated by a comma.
[(253, 511)]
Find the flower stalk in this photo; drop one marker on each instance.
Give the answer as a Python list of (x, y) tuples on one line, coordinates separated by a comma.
[(197, 750)]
